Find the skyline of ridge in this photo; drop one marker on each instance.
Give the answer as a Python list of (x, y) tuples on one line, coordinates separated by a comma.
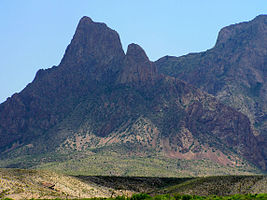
[(36, 33)]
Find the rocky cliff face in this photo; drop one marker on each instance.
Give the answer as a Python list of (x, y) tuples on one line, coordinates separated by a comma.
[(98, 97), (234, 71), (93, 41), (138, 69)]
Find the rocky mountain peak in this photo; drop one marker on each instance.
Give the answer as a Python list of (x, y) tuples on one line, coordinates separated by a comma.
[(243, 33), (85, 20), (136, 52), (99, 97), (137, 66), (261, 18), (93, 41)]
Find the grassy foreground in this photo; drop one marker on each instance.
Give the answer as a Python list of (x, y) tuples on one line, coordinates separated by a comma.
[(39, 184)]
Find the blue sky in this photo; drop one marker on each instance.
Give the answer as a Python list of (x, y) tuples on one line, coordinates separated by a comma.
[(35, 33)]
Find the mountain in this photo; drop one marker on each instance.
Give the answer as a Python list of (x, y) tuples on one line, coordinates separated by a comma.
[(101, 102), (234, 71)]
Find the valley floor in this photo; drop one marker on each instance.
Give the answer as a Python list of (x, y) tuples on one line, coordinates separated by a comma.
[(28, 184)]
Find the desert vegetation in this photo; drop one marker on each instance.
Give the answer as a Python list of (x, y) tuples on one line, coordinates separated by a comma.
[(42, 184), (144, 196)]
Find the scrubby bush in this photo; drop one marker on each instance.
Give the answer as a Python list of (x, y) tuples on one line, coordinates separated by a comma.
[(177, 196), (140, 196), (120, 198), (186, 197)]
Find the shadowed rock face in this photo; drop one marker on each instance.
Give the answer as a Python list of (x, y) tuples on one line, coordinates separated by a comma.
[(235, 71), (93, 57), (138, 68), (100, 96), (93, 41)]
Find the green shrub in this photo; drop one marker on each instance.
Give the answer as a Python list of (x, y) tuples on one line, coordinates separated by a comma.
[(177, 196), (140, 196), (163, 197), (120, 198), (186, 197), (157, 197)]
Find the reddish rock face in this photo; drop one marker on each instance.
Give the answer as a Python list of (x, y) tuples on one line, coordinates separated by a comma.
[(234, 71), (98, 90)]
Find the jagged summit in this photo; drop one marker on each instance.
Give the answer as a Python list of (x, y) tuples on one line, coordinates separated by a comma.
[(137, 53), (99, 97), (93, 41), (138, 68), (85, 20)]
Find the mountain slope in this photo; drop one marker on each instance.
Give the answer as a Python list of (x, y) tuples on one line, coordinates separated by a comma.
[(99, 97), (234, 71)]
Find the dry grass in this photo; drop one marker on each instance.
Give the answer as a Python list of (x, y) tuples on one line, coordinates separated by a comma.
[(27, 184), (20, 184)]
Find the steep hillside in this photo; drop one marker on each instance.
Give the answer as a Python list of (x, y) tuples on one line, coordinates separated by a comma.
[(235, 71), (99, 97)]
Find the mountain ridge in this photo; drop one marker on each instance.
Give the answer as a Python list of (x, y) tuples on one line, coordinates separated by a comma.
[(234, 71), (100, 97)]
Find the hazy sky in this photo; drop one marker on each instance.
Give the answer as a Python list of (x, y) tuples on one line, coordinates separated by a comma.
[(35, 33)]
